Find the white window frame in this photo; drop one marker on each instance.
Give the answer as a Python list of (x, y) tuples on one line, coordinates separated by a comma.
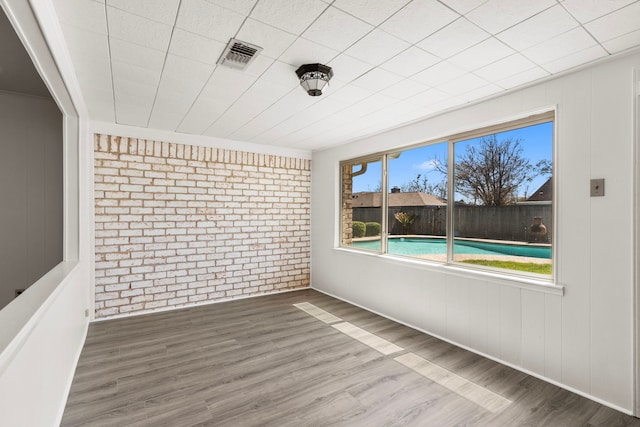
[(530, 120)]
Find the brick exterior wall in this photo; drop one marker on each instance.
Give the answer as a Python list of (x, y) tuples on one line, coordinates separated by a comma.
[(347, 205), (178, 224)]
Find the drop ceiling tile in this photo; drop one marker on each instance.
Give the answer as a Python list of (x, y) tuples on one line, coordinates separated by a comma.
[(99, 103), (377, 47), (480, 93), (133, 101), (588, 10), (85, 44), (137, 55), (277, 113), (454, 38), (272, 40), (202, 114), (624, 42), (347, 68), (318, 129), (89, 54), (523, 78), (440, 73), (227, 85), (95, 77), (428, 97), (372, 11), (209, 20), (574, 59), (404, 89), (282, 74), (559, 46), (547, 24), (164, 11), (303, 119), (134, 29), (131, 88), (87, 15), (377, 79), (241, 6), (445, 105), (130, 113), (195, 47), (462, 84), (125, 72), (256, 99), (336, 29), (482, 54), (418, 19), (410, 62), (307, 52), (504, 68), (181, 82), (291, 16), (495, 16), (259, 65), (401, 112), (349, 94), (463, 6), (616, 24), (372, 103)]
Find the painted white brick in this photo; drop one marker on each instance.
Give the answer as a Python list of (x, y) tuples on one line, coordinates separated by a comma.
[(178, 224)]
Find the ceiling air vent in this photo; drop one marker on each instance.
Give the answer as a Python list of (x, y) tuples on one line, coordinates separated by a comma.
[(238, 54)]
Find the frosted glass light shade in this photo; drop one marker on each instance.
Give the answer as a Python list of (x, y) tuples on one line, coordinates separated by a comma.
[(314, 77)]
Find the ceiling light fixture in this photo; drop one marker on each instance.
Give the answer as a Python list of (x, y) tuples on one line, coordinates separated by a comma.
[(314, 77)]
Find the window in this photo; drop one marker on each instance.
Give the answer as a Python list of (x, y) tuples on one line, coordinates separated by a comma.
[(481, 199), (417, 202), (362, 203)]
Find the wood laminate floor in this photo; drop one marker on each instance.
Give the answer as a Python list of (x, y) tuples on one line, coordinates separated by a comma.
[(302, 359)]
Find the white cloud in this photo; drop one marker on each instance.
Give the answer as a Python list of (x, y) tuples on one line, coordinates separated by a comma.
[(427, 165)]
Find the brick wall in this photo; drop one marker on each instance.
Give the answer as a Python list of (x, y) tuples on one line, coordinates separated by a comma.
[(178, 224), (347, 204)]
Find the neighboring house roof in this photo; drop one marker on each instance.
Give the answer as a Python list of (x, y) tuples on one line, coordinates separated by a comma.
[(368, 199), (544, 193)]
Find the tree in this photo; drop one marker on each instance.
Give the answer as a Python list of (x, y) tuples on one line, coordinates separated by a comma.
[(405, 219), (492, 171), (422, 185)]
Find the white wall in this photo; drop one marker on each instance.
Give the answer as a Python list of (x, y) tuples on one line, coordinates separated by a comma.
[(30, 191), (583, 339), (42, 332)]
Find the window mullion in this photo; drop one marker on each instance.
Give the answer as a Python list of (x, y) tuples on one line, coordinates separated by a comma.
[(385, 204), (450, 201)]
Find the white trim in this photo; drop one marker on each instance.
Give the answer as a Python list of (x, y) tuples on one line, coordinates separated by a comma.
[(636, 247), (196, 304), (200, 140), (28, 29), (495, 359), (21, 315), (513, 280)]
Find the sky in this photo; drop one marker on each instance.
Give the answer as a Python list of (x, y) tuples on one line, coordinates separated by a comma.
[(536, 141)]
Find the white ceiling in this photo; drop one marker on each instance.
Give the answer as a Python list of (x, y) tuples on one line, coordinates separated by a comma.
[(152, 63)]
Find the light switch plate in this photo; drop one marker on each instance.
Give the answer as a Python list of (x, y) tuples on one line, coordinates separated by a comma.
[(597, 187)]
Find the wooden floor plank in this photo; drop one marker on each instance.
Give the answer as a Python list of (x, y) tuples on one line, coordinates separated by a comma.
[(266, 362)]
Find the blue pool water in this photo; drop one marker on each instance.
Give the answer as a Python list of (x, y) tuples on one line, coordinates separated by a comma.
[(426, 246)]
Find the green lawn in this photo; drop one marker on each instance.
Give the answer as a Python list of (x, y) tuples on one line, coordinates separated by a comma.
[(512, 265)]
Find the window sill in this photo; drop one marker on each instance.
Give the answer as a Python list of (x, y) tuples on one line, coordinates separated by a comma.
[(506, 279)]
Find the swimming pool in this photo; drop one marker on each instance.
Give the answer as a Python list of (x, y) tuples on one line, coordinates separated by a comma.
[(426, 246)]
